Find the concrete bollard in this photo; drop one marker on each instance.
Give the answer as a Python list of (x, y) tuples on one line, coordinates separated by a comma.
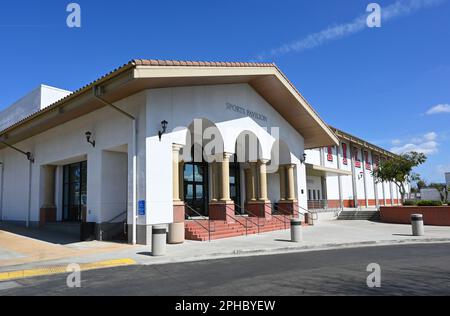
[(296, 230), (308, 219), (159, 240), (176, 233), (417, 225)]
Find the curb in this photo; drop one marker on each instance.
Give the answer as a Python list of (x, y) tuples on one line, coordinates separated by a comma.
[(296, 249), (62, 269)]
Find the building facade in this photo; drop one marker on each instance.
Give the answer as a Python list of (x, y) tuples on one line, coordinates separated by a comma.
[(167, 142), (341, 177)]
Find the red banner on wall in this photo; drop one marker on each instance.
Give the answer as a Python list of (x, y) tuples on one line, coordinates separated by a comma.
[(344, 154), (330, 154), (356, 155)]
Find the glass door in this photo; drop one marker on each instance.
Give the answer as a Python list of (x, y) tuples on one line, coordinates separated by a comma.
[(196, 187), (75, 192), (235, 185)]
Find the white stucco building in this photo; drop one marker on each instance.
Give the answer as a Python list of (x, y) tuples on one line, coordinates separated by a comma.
[(178, 143)]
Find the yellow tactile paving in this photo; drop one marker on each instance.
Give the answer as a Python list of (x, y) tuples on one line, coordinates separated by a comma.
[(21, 274)]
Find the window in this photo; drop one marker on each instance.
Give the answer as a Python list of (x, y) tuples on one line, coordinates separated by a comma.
[(366, 159), (314, 195), (376, 162), (309, 195)]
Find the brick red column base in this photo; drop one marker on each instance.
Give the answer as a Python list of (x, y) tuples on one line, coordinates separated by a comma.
[(179, 210), (260, 209), (288, 208), (222, 211), (47, 215)]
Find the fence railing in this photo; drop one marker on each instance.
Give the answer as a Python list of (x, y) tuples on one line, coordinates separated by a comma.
[(203, 218)]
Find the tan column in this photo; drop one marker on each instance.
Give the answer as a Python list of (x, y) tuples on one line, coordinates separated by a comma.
[(253, 181), (263, 196), (181, 180), (214, 179), (248, 174), (282, 174), (291, 182), (225, 196), (176, 172)]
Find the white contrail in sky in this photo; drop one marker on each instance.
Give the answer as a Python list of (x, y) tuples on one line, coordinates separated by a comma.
[(398, 9)]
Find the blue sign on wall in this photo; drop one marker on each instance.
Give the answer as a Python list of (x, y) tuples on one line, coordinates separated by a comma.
[(141, 208)]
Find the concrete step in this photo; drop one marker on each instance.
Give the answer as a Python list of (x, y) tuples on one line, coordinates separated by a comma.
[(359, 215), (221, 229)]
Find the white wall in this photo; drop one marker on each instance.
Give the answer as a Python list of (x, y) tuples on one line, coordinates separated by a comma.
[(66, 144), (114, 188), (34, 101), (180, 106)]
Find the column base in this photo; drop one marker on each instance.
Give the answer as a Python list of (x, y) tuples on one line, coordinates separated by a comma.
[(288, 208), (222, 211), (179, 211), (261, 209), (47, 215)]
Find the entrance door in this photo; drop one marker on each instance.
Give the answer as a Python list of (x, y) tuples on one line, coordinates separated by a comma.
[(196, 187), (235, 185), (75, 192)]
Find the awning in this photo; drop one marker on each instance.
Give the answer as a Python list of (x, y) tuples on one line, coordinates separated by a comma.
[(315, 170)]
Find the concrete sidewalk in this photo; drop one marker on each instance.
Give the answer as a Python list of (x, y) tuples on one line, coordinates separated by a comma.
[(325, 235)]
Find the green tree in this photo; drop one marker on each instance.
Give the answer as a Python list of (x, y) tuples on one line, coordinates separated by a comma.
[(442, 189), (421, 184), (399, 170)]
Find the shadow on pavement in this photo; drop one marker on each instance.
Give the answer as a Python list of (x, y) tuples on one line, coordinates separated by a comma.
[(43, 234)]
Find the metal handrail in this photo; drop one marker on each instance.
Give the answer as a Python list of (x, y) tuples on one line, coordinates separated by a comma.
[(235, 219), (113, 219), (208, 229), (274, 211), (313, 213), (258, 225)]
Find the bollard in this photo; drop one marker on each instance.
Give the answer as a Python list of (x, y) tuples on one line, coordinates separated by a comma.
[(309, 219), (296, 230), (417, 225), (159, 240), (176, 234)]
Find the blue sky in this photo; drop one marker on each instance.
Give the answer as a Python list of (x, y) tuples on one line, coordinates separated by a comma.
[(376, 83)]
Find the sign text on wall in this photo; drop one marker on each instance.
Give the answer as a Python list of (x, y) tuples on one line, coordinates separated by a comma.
[(244, 111)]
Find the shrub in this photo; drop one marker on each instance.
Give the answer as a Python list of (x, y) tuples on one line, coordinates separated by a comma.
[(409, 203), (429, 203)]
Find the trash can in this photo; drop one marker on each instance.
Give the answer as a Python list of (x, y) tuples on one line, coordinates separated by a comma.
[(417, 225), (159, 240), (296, 230)]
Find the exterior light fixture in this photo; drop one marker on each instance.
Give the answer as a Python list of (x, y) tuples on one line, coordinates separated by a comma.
[(164, 129), (89, 139), (360, 176), (303, 158)]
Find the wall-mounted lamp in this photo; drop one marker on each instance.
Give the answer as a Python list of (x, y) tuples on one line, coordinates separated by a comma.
[(30, 157), (360, 175), (303, 158), (164, 129), (89, 139)]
